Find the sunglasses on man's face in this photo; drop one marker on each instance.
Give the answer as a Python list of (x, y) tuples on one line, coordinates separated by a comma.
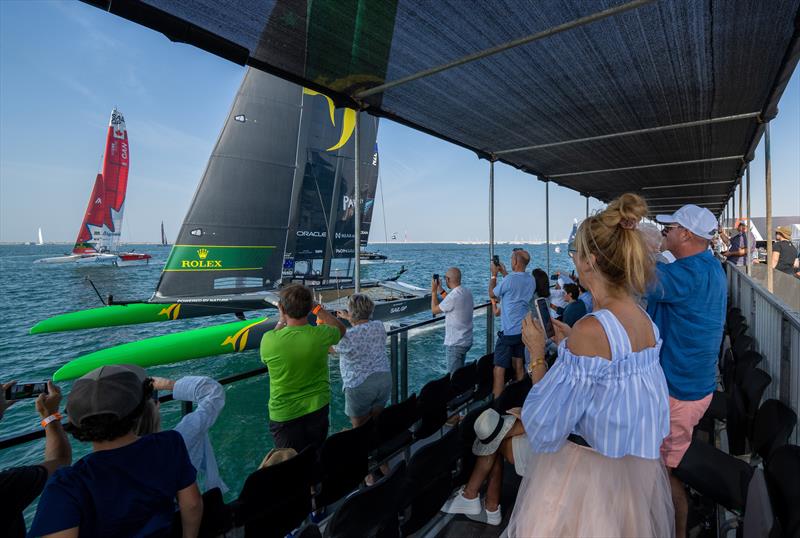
[(667, 229)]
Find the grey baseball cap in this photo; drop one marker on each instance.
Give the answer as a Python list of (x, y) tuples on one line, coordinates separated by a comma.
[(112, 390)]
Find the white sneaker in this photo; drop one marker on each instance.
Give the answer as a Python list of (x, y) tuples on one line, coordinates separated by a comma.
[(490, 518), (458, 504)]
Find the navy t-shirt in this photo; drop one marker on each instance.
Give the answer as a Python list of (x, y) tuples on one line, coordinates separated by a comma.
[(128, 491), (687, 303)]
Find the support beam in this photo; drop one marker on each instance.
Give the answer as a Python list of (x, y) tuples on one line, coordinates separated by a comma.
[(648, 130), (587, 207), (505, 46), (768, 235), (547, 222), (749, 260), (684, 197), (357, 202), (741, 205), (491, 210), (699, 183), (644, 166)]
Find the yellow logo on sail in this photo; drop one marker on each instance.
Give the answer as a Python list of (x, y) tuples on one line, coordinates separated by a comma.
[(202, 263), (202, 253), (348, 124), (172, 311), (239, 339)]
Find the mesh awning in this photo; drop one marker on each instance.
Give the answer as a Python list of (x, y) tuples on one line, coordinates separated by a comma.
[(718, 65)]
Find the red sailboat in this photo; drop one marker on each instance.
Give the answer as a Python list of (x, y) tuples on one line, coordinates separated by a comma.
[(100, 231)]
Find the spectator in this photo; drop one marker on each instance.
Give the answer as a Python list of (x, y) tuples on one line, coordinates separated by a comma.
[(653, 239), (208, 398), (585, 297), (542, 282), (687, 302), (128, 484), (783, 252), (739, 243), (366, 375), (608, 388), (515, 293), (496, 436), (575, 308), (457, 307), (296, 354), (21, 485)]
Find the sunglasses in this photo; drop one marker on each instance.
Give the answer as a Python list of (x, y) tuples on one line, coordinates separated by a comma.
[(667, 229), (571, 252)]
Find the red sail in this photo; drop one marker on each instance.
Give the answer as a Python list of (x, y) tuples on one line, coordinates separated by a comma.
[(102, 224)]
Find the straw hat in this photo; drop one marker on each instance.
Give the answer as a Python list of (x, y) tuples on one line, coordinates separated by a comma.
[(490, 428), (785, 231)]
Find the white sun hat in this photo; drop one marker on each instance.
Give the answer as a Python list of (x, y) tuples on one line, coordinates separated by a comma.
[(490, 429)]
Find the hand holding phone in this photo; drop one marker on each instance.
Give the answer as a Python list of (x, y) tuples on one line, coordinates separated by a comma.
[(543, 313)]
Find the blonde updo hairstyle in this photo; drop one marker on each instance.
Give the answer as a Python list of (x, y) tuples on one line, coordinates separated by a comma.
[(620, 252)]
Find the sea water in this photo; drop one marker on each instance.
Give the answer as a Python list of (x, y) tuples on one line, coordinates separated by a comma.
[(30, 293)]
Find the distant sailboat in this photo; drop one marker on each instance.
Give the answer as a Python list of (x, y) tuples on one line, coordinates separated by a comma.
[(164, 242), (41, 241), (99, 234)]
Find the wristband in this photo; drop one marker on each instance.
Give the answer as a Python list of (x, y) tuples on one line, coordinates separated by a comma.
[(51, 418), (316, 309)]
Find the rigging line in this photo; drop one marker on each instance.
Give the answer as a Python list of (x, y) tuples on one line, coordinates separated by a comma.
[(383, 208), (329, 241)]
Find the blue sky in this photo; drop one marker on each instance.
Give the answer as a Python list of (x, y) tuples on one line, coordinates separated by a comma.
[(64, 66)]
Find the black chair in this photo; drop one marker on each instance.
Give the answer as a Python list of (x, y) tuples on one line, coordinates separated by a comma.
[(773, 424), (371, 511), (742, 345), (391, 432), (737, 328), (747, 362), (466, 436), (217, 516), (276, 499), (742, 408), (485, 372), (432, 407), (344, 462), (309, 530), (462, 385), (782, 472), (428, 481), (513, 395), (715, 474)]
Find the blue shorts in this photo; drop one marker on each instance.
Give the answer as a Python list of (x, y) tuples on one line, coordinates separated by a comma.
[(506, 348), (373, 392)]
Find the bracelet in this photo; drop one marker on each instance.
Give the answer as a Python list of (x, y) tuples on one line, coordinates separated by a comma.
[(316, 309), (51, 418), (532, 366)]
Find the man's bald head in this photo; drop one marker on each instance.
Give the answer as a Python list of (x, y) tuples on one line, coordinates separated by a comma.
[(520, 260), (453, 277)]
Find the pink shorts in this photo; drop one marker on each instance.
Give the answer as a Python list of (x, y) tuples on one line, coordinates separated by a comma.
[(683, 417)]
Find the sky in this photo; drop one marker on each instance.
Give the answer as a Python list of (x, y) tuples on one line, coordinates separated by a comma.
[(65, 65)]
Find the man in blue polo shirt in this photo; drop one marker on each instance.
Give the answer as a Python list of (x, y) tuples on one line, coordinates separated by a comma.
[(687, 303), (514, 292)]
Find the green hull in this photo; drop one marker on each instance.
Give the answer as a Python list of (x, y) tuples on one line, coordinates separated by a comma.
[(131, 314), (170, 348)]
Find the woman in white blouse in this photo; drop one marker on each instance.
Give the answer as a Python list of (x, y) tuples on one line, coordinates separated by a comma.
[(366, 376)]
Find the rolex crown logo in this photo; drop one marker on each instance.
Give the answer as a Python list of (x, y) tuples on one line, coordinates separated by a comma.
[(202, 253)]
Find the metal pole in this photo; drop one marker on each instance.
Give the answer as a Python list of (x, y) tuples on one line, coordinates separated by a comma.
[(393, 365), (505, 46), (768, 195), (357, 202), (635, 132), (403, 366), (489, 329), (644, 166), (186, 407), (749, 261), (587, 206), (491, 209), (741, 205), (547, 221)]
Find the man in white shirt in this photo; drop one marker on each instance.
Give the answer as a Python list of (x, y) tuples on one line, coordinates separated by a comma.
[(457, 307)]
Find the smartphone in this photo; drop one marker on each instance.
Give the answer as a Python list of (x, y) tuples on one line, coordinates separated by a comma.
[(20, 391), (543, 311), (436, 277), (496, 260)]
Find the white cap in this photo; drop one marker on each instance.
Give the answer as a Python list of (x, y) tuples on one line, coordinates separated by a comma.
[(698, 220)]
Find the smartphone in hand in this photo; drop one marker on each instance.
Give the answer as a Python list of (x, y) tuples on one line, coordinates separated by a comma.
[(543, 313), (20, 391)]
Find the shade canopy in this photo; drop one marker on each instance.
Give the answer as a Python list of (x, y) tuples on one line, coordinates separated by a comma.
[(666, 98)]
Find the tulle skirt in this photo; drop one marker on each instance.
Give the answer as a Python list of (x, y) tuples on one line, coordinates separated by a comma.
[(579, 492)]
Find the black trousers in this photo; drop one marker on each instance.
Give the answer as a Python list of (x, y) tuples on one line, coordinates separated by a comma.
[(298, 433)]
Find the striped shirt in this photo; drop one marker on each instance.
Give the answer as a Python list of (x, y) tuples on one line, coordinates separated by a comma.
[(620, 407)]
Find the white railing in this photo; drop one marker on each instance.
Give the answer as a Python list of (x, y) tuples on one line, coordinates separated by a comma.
[(775, 329)]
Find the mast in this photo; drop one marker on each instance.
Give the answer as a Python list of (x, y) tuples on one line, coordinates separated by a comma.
[(357, 213), (41, 241)]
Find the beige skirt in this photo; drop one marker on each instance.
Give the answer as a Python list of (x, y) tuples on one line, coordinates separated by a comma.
[(579, 492)]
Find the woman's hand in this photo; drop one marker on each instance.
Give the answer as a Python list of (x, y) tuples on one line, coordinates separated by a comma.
[(562, 331), (162, 383), (533, 337), (515, 411)]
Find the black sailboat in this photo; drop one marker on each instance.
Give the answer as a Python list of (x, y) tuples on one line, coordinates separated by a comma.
[(164, 242)]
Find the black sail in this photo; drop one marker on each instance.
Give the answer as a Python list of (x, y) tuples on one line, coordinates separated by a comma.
[(267, 193)]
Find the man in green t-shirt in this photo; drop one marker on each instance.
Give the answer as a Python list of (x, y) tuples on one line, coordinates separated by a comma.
[(296, 354)]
